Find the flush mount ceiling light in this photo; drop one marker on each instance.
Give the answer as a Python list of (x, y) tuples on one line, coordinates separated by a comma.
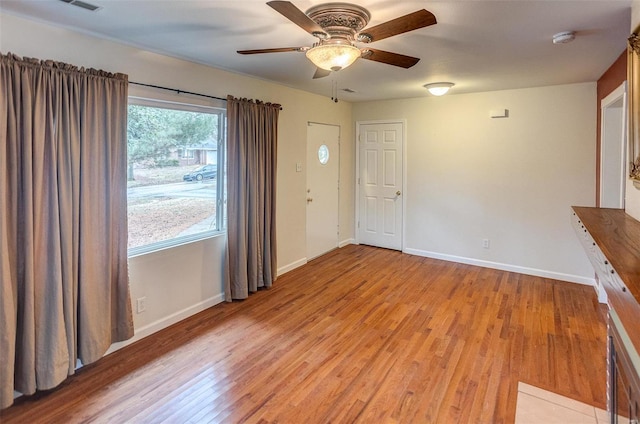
[(564, 37), (439, 88), (333, 56)]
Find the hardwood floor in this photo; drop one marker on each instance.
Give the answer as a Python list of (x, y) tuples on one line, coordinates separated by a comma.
[(359, 335)]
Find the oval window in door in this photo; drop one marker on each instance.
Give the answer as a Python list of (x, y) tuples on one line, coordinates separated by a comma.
[(323, 154)]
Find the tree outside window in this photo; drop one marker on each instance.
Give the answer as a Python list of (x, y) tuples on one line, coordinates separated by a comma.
[(170, 198)]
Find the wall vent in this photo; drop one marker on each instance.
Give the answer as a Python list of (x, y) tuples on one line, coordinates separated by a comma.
[(83, 4)]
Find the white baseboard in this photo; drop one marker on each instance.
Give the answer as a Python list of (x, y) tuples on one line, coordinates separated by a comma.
[(291, 266), (158, 325), (303, 261), (503, 267), (346, 242), (165, 322)]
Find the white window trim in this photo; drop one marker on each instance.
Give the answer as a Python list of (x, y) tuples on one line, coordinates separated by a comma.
[(220, 182), (174, 242)]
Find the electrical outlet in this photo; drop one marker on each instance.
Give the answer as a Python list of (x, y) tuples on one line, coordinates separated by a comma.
[(141, 304), (485, 243)]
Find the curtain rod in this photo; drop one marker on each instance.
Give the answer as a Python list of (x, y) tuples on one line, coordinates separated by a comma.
[(178, 91)]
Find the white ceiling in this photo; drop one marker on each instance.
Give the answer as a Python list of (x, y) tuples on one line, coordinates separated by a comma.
[(478, 45)]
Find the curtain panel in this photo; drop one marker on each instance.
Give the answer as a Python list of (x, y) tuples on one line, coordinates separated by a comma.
[(251, 196), (64, 292)]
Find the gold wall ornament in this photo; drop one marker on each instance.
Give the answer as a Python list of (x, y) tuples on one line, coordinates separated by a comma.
[(634, 42), (633, 79), (635, 169)]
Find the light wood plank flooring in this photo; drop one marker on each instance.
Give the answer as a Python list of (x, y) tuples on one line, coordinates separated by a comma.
[(359, 335)]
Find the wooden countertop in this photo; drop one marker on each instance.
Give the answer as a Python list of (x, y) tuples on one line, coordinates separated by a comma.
[(618, 237)]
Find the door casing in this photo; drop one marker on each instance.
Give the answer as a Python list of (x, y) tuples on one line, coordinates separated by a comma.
[(613, 137), (403, 199)]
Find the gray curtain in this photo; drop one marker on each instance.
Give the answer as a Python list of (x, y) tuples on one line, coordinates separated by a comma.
[(63, 221), (251, 196)]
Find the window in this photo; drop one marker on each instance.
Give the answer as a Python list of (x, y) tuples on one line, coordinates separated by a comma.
[(176, 170), (187, 153), (323, 154)]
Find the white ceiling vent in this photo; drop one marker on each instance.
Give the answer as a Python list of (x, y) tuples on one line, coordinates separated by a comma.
[(83, 4)]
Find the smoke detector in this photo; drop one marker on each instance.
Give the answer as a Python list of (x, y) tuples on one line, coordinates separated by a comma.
[(564, 37)]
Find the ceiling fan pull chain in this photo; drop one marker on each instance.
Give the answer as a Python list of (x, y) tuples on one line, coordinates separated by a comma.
[(334, 90)]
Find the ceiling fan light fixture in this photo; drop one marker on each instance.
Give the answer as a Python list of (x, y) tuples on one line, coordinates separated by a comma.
[(439, 88), (333, 57)]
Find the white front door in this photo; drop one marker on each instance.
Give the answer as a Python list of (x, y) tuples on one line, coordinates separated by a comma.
[(323, 173), (380, 157)]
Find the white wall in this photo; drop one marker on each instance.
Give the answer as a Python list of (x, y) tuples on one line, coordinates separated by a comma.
[(188, 278), (632, 200), (176, 284), (511, 180)]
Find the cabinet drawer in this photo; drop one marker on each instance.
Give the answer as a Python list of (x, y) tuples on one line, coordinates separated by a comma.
[(599, 262)]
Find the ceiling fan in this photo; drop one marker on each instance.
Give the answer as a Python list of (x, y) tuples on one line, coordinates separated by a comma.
[(338, 27)]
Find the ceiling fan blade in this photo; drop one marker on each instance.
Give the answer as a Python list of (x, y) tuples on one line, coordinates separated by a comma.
[(406, 23), (278, 50), (321, 73), (295, 15), (389, 58)]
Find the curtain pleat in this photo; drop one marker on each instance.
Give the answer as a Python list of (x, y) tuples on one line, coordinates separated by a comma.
[(63, 228), (251, 199)]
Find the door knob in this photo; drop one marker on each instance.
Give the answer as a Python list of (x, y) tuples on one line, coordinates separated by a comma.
[(309, 200), (398, 193)]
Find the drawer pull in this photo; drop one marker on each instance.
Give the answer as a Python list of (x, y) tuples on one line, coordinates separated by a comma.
[(624, 289), (613, 272), (594, 244), (606, 262)]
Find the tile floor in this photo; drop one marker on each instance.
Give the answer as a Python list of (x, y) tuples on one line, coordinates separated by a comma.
[(536, 406)]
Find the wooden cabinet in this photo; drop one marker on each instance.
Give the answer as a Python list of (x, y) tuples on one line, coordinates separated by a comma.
[(611, 239), (600, 264)]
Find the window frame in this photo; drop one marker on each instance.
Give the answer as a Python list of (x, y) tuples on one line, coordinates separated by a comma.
[(220, 200)]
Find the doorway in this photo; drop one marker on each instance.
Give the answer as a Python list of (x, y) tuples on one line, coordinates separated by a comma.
[(380, 183), (323, 180), (612, 148)]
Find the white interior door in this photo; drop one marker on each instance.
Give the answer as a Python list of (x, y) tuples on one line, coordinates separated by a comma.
[(612, 149), (323, 177), (380, 158)]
